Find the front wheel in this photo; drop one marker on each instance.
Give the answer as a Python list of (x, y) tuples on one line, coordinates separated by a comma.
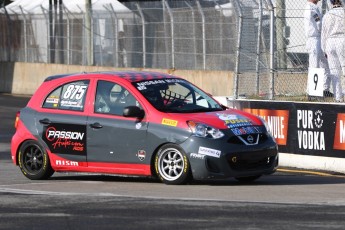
[(172, 165), (34, 161)]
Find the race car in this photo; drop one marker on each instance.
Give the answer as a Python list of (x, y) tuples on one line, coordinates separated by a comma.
[(138, 123)]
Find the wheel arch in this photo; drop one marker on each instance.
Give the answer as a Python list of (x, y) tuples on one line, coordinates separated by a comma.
[(188, 176), (43, 145), (34, 164), (19, 147), (153, 157)]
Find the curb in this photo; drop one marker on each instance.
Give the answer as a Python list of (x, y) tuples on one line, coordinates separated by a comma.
[(329, 164)]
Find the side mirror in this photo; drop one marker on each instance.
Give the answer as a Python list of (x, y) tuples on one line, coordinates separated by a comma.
[(133, 111)]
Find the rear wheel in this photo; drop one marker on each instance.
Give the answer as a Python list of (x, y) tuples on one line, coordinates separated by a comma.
[(247, 178), (34, 161), (172, 165)]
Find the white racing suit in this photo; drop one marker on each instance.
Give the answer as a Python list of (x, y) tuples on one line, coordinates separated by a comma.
[(333, 44), (312, 27)]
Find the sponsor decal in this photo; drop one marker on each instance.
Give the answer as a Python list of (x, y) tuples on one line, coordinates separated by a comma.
[(66, 163), (197, 156), (141, 155), (339, 137), (309, 135), (173, 80), (247, 130), (76, 104), (52, 100), (233, 121), (226, 117), (65, 138), (138, 125), (143, 85), (169, 122), (209, 152), (277, 121), (52, 133)]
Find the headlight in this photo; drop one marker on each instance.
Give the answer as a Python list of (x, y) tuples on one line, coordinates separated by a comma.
[(202, 130)]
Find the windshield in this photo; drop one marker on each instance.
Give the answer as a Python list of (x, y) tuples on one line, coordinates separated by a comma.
[(176, 96)]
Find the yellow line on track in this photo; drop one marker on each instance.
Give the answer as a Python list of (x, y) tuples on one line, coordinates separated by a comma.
[(310, 172)]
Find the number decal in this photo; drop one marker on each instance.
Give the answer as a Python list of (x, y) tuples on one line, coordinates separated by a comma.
[(316, 78), (80, 92), (75, 92), (68, 92)]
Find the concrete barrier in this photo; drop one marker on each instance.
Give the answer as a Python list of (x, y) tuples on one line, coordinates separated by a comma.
[(24, 78)]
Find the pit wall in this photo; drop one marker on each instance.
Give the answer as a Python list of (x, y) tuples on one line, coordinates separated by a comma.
[(25, 78), (309, 135)]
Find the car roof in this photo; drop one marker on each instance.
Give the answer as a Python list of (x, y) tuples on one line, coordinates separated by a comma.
[(131, 76)]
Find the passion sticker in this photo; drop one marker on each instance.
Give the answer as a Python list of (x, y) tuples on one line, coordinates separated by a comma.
[(65, 138)]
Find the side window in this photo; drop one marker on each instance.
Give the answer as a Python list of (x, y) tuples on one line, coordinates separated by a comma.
[(70, 96), (112, 98)]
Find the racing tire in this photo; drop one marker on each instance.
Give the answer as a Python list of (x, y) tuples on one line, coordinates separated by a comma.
[(33, 161), (172, 165), (247, 179)]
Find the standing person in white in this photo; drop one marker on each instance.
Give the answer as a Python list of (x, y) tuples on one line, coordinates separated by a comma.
[(333, 44), (312, 27)]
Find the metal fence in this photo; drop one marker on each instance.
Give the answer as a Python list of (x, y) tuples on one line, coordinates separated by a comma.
[(262, 41), (166, 34)]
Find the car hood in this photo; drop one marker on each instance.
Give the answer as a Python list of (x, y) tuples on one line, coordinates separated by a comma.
[(230, 118)]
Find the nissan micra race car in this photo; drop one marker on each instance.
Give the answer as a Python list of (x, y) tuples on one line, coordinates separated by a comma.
[(138, 123)]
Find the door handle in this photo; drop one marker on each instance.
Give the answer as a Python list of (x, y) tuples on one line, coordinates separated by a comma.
[(45, 121), (96, 125)]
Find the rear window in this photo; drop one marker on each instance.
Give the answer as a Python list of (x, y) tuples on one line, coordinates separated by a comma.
[(70, 96)]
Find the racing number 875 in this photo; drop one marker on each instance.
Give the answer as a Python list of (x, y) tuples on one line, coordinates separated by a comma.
[(75, 92)]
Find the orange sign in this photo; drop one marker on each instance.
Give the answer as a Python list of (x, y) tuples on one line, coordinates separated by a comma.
[(277, 120), (339, 136)]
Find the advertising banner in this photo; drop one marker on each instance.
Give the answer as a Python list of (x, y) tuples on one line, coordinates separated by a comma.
[(302, 128)]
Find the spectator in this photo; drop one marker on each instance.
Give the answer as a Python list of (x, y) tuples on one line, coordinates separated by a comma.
[(312, 27), (333, 44)]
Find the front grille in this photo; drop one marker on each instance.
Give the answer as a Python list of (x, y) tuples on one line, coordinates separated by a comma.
[(252, 161), (248, 139)]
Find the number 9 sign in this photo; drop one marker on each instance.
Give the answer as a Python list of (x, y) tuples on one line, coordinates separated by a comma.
[(315, 81)]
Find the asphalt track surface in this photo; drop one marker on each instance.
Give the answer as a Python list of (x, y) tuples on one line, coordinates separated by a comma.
[(288, 199)]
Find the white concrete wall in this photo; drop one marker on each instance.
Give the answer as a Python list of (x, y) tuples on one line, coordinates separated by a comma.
[(24, 78)]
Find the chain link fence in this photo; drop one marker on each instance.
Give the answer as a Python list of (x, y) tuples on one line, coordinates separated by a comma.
[(148, 34), (261, 41)]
